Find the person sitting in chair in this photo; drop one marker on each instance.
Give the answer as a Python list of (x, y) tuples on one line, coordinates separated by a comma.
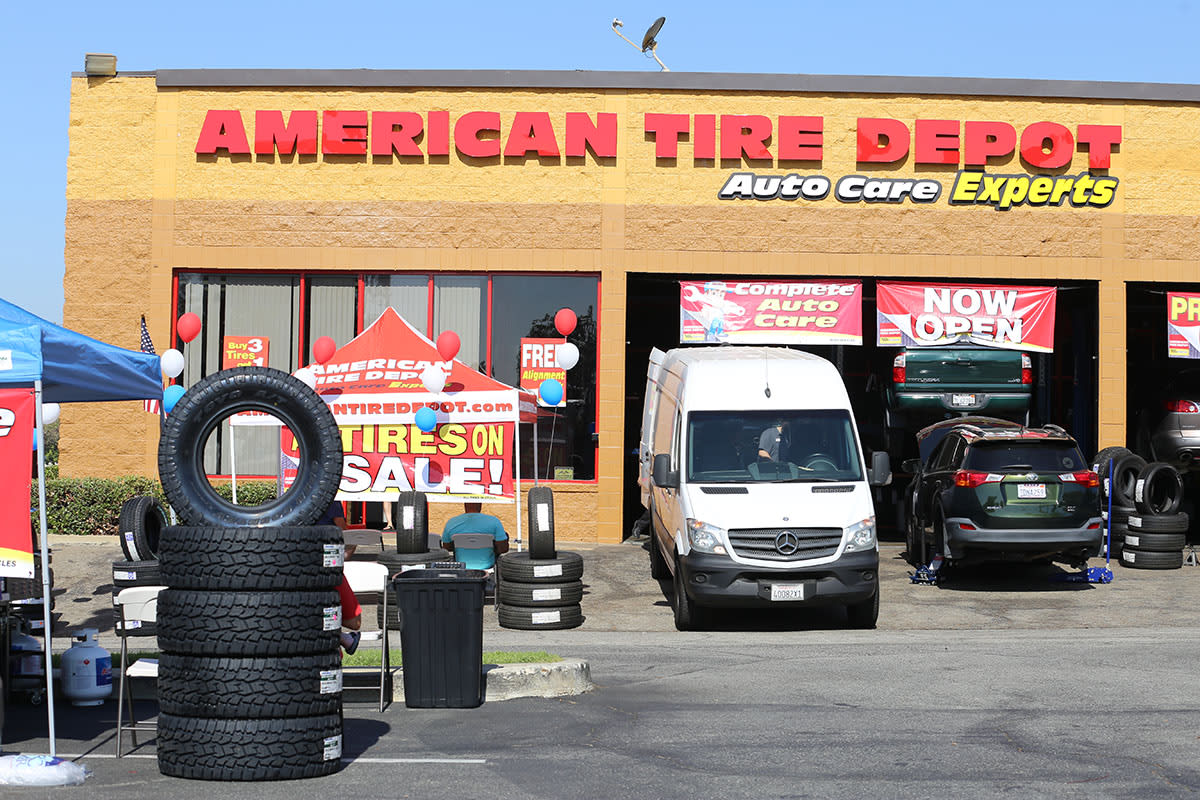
[(472, 520)]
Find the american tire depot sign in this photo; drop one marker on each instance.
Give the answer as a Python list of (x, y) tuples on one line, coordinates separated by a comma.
[(1047, 150)]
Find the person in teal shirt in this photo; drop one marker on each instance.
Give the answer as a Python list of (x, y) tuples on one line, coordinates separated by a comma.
[(472, 520)]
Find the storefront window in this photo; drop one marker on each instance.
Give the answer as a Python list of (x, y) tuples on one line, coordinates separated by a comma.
[(408, 294), (330, 310), (460, 305), (523, 306)]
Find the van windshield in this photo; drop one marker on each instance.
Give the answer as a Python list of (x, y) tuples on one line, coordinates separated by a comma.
[(770, 446)]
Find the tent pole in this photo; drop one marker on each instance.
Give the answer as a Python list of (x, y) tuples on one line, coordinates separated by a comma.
[(232, 462), (41, 464), (537, 416), (517, 471)]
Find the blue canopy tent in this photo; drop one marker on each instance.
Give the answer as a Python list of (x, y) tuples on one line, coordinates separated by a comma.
[(66, 367)]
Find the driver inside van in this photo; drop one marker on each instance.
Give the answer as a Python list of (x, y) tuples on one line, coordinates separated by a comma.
[(774, 443)]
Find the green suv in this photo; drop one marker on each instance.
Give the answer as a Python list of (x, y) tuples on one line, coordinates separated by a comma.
[(928, 382), (990, 489)]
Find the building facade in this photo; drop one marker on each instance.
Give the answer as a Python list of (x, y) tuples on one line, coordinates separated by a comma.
[(285, 205)]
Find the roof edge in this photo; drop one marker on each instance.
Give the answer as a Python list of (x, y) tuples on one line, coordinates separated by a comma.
[(674, 81)]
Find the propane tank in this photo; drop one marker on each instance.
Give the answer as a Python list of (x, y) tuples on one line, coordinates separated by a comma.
[(86, 670)]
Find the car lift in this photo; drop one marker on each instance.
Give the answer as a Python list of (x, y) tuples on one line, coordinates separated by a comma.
[(928, 574)]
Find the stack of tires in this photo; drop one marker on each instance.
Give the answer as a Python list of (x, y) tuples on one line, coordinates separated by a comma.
[(249, 625), (410, 515), (133, 573), (1157, 532), (140, 525), (541, 588), (249, 680), (1118, 468)]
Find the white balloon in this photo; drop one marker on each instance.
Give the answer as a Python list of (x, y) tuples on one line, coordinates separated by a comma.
[(567, 355), (50, 412), (172, 363), (308, 377), (433, 379)]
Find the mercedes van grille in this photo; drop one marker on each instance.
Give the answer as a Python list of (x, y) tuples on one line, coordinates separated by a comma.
[(803, 544)]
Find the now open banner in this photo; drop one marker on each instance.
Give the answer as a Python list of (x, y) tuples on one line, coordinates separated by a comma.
[(936, 315), (16, 449), (771, 312), (1183, 325)]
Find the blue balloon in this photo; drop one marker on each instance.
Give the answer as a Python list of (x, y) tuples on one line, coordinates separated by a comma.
[(426, 419), (551, 392), (171, 396)]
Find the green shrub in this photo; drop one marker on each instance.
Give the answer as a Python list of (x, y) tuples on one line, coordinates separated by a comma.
[(89, 506)]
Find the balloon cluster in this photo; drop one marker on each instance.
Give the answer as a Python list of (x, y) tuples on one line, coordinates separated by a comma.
[(434, 378), (567, 356), (172, 361)]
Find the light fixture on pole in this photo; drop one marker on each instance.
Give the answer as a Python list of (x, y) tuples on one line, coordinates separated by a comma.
[(649, 43), (100, 65)]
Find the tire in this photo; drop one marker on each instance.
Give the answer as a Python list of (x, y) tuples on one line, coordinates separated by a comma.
[(536, 595), (1100, 465), (522, 568), (259, 559), (1158, 523), (864, 615), (541, 522), (250, 688), (410, 517), (688, 615), (658, 562), (200, 411), (248, 623), (1148, 559), (395, 562), (1159, 489), (1126, 470), (1156, 542), (249, 749), (140, 523), (135, 573), (546, 618)]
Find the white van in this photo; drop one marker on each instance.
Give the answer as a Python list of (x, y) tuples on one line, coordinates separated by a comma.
[(753, 476)]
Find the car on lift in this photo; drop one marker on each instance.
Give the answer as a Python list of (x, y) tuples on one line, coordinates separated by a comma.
[(930, 383), (989, 489), (1169, 428)]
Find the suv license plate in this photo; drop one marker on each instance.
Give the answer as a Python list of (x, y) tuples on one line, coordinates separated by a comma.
[(962, 399), (1031, 491), (787, 591)]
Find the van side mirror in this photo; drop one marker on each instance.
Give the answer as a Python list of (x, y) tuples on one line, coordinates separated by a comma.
[(662, 475), (881, 469), (912, 465)]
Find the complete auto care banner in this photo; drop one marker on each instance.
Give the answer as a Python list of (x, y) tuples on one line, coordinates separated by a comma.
[(770, 312), (460, 461), (935, 315), (16, 448), (1183, 325)]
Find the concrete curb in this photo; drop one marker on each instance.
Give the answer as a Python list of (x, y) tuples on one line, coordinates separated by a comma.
[(503, 681)]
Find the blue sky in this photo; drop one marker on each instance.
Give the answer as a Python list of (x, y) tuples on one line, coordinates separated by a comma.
[(43, 43)]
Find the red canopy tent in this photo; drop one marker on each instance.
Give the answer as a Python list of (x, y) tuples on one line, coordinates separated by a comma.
[(373, 386)]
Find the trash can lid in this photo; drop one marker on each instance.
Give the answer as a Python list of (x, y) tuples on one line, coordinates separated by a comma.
[(440, 576)]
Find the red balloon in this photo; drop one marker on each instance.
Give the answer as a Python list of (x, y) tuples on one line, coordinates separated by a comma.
[(323, 349), (448, 344), (188, 326), (564, 321)]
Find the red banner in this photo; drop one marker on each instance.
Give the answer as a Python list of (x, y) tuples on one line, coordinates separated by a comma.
[(538, 363), (1183, 325), (16, 451), (465, 461), (770, 312), (935, 315)]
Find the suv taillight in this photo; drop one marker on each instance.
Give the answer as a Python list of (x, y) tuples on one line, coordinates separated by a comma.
[(1026, 369), (898, 369), (969, 480), (1086, 478), (1182, 407)]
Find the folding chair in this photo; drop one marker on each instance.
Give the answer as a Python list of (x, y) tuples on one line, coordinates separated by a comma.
[(138, 611), (369, 582), (476, 541)]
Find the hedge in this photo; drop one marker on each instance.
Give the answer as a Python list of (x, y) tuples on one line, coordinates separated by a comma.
[(90, 506)]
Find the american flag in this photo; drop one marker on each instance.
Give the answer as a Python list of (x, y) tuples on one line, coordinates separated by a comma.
[(150, 404)]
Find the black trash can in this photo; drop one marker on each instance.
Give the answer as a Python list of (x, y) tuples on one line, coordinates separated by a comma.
[(441, 636)]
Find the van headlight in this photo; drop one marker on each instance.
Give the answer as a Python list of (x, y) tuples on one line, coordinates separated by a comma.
[(861, 536), (706, 538)]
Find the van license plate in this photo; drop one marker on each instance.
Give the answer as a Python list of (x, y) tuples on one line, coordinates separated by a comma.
[(787, 591), (962, 399), (1031, 491)]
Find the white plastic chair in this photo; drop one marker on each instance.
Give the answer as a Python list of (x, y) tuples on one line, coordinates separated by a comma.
[(137, 607), (369, 582)]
